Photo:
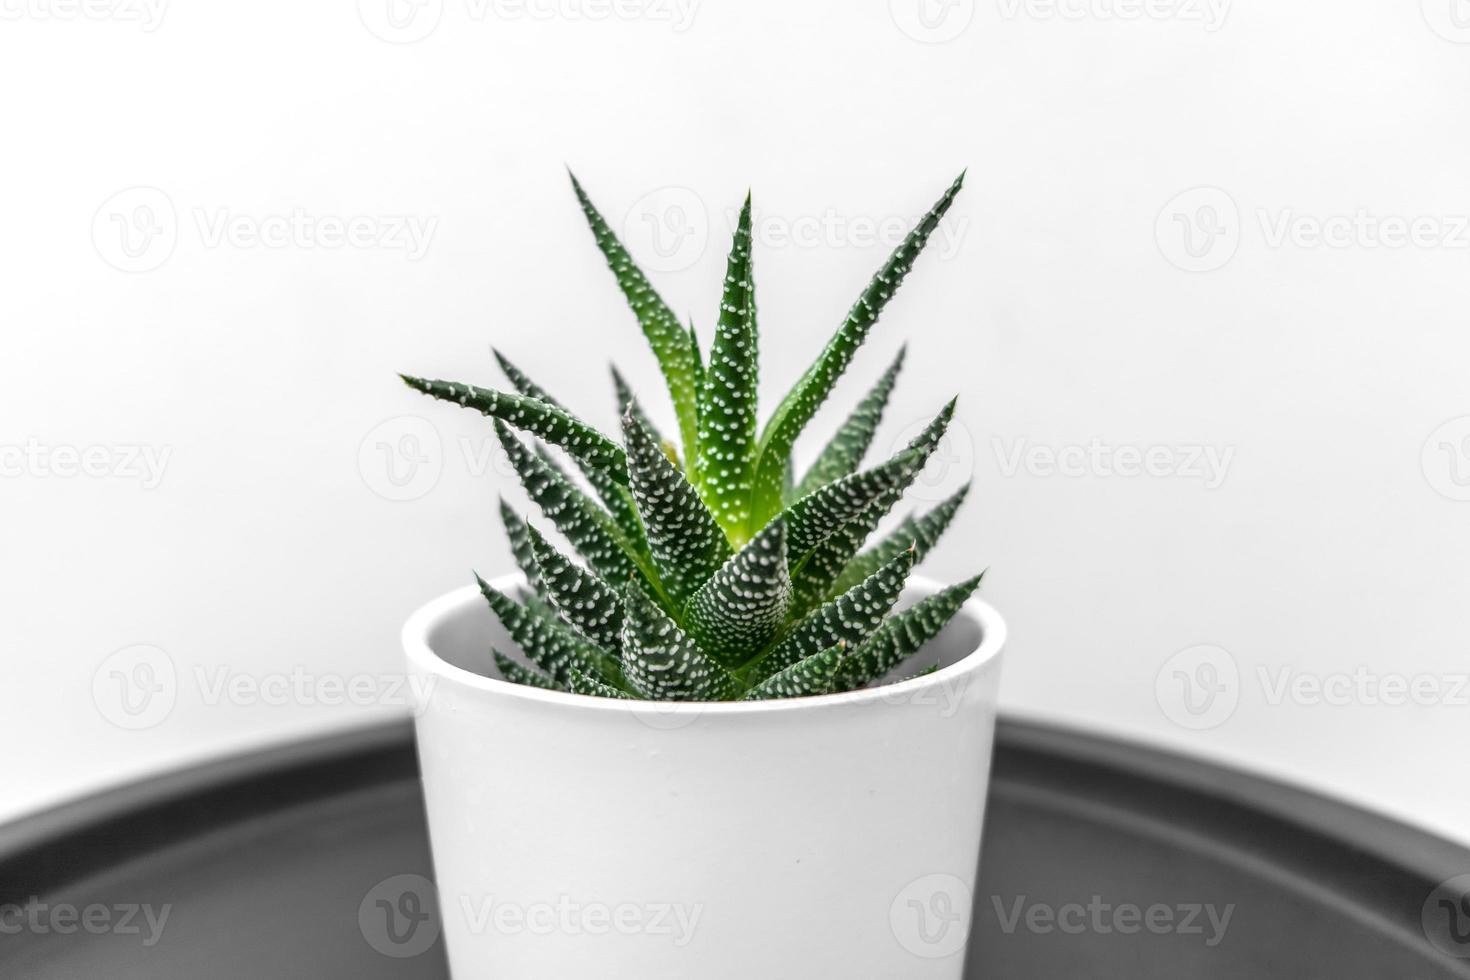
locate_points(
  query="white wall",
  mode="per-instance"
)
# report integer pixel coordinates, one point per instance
(1058, 309)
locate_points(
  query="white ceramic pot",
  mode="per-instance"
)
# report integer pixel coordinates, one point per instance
(581, 838)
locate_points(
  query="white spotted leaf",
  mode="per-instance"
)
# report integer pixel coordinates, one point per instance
(812, 389)
(662, 662)
(543, 420)
(665, 334)
(742, 606)
(727, 398)
(686, 544)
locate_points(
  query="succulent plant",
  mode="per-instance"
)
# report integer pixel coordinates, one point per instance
(710, 571)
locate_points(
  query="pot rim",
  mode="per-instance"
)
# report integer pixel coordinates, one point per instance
(422, 623)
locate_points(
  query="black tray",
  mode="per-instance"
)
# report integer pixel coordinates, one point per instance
(265, 861)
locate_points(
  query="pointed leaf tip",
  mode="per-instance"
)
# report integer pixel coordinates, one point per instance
(664, 332)
(923, 531)
(802, 401)
(904, 634)
(543, 419)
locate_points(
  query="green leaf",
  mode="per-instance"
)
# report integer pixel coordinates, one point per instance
(814, 517)
(686, 544)
(546, 643)
(521, 674)
(901, 636)
(520, 547)
(587, 526)
(919, 533)
(727, 399)
(537, 417)
(807, 395)
(611, 491)
(580, 683)
(740, 609)
(664, 663)
(805, 678)
(721, 572)
(788, 485)
(850, 618)
(589, 604)
(694, 353)
(812, 580)
(665, 335)
(844, 452)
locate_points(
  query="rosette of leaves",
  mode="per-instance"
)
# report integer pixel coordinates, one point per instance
(708, 569)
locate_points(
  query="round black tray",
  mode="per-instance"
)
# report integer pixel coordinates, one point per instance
(271, 865)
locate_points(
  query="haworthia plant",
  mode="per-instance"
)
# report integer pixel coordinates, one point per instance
(709, 570)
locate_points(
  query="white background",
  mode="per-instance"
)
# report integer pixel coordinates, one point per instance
(1060, 306)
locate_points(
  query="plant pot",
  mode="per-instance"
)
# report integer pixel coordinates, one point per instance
(580, 838)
